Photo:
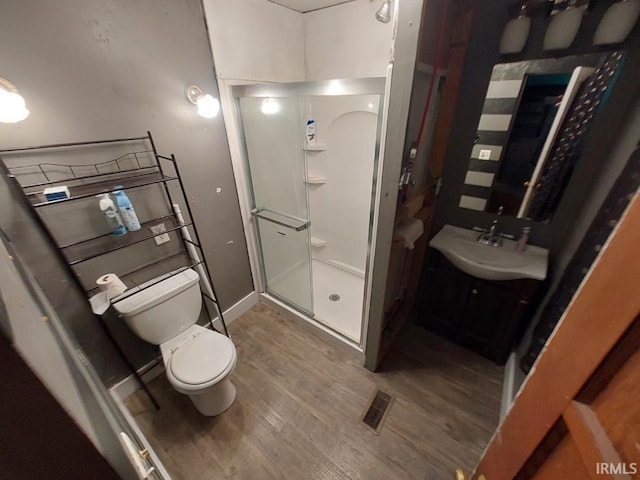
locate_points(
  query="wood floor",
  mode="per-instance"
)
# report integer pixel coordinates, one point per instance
(299, 402)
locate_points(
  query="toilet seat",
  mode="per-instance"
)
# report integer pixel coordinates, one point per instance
(201, 361)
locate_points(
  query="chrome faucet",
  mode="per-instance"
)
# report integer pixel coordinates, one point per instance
(491, 236)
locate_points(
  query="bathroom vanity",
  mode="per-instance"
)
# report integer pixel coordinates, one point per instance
(479, 296)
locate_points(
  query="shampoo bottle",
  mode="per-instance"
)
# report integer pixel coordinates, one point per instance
(111, 215)
(125, 207)
(311, 132)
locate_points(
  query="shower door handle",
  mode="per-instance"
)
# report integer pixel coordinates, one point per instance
(281, 219)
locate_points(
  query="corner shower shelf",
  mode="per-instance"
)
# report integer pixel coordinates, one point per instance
(87, 180)
(318, 242)
(316, 180)
(318, 147)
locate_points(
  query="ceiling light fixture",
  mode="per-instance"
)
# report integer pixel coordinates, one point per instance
(384, 12)
(516, 32)
(12, 105)
(617, 22)
(208, 107)
(564, 25)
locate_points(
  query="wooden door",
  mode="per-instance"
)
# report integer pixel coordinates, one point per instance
(462, 12)
(578, 414)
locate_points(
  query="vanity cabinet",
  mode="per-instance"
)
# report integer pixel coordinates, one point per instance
(484, 315)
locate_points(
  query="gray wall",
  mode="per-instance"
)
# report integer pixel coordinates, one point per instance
(481, 56)
(104, 69)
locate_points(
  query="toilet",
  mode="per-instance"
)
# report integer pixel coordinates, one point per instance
(198, 361)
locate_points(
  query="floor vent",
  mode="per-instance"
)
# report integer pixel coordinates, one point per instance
(379, 406)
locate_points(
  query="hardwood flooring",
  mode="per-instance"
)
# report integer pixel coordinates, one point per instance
(299, 402)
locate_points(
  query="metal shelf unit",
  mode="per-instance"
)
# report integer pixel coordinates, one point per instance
(87, 180)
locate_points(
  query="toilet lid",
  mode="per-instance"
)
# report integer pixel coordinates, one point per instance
(202, 358)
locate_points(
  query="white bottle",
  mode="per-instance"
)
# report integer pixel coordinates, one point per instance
(311, 132)
(111, 215)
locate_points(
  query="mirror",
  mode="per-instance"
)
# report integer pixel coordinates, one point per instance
(531, 132)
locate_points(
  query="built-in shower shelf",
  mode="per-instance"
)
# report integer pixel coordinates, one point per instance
(318, 242)
(318, 147)
(316, 179)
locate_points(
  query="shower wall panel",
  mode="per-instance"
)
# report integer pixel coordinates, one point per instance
(340, 208)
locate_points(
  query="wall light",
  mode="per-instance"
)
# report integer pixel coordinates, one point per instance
(12, 105)
(270, 106)
(516, 32)
(617, 22)
(563, 27)
(384, 12)
(208, 107)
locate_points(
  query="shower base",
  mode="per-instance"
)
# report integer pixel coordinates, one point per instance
(344, 315)
(337, 296)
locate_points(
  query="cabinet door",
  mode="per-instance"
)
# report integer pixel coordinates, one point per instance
(447, 292)
(489, 316)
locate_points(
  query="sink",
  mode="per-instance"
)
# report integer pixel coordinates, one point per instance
(460, 247)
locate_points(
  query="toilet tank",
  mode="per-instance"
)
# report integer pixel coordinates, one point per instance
(163, 310)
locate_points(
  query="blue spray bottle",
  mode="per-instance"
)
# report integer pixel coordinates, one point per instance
(127, 213)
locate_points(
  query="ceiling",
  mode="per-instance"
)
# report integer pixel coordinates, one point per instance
(304, 6)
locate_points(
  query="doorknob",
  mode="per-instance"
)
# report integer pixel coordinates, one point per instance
(460, 475)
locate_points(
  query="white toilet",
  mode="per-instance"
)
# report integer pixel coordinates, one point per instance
(198, 361)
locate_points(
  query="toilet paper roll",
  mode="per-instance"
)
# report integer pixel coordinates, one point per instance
(410, 231)
(110, 283)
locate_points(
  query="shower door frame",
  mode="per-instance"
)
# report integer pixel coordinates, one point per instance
(328, 88)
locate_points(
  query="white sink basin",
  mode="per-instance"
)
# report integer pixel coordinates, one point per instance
(460, 247)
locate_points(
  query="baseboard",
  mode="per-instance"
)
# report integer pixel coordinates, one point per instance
(129, 385)
(237, 309)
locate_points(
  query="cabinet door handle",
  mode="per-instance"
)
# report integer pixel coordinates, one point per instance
(474, 291)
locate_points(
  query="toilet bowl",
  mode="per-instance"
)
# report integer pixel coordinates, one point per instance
(198, 362)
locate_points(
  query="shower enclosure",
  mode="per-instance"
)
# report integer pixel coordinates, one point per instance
(312, 201)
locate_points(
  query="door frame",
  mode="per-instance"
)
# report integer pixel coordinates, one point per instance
(574, 351)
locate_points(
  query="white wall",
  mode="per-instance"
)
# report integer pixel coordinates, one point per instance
(255, 40)
(346, 41)
(258, 40)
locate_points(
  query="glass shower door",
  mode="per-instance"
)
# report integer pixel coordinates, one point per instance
(273, 136)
